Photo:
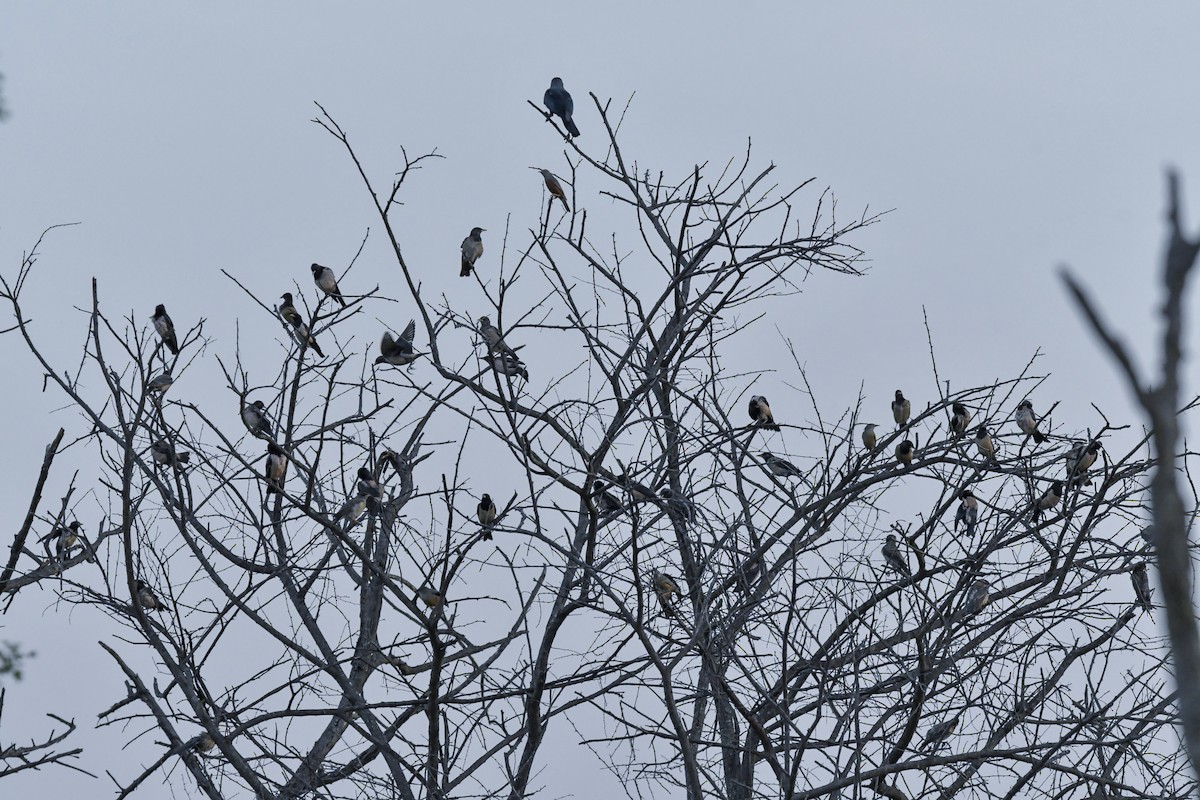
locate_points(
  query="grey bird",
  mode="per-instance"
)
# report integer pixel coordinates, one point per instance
(398, 352)
(1080, 459)
(905, 452)
(163, 453)
(959, 420)
(1027, 422)
(492, 337)
(936, 736)
(638, 492)
(485, 512)
(429, 597)
(326, 281)
(1141, 586)
(202, 743)
(369, 488)
(254, 417)
(760, 413)
(390, 458)
(868, 435)
(605, 500)
(554, 187)
(780, 467)
(351, 511)
(968, 512)
(146, 598)
(165, 328)
(508, 364)
(472, 249)
(976, 599)
(559, 101)
(678, 505)
(666, 589)
(901, 409)
(1048, 500)
(64, 538)
(292, 317)
(893, 557)
(984, 443)
(275, 469)
(159, 384)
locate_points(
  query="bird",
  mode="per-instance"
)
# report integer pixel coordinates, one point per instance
(472, 249)
(780, 467)
(605, 500)
(165, 328)
(398, 352)
(559, 101)
(485, 512)
(160, 383)
(254, 417)
(163, 453)
(1048, 500)
(275, 469)
(203, 743)
(894, 558)
(393, 459)
(554, 187)
(968, 512)
(65, 537)
(351, 511)
(960, 419)
(292, 317)
(429, 597)
(1141, 586)
(868, 436)
(326, 281)
(901, 409)
(976, 599)
(1027, 422)
(146, 598)
(938, 734)
(510, 365)
(1080, 459)
(678, 505)
(666, 589)
(638, 492)
(905, 452)
(492, 337)
(368, 487)
(984, 443)
(760, 413)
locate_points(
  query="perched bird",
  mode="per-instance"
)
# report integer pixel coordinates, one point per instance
(147, 599)
(64, 539)
(326, 281)
(984, 443)
(1080, 459)
(960, 419)
(968, 512)
(429, 597)
(936, 736)
(780, 467)
(160, 383)
(1048, 500)
(254, 417)
(351, 511)
(368, 487)
(976, 599)
(492, 337)
(868, 436)
(165, 328)
(398, 352)
(472, 249)
(638, 492)
(554, 187)
(905, 451)
(893, 557)
(1027, 422)
(292, 317)
(390, 458)
(678, 505)
(559, 101)
(666, 590)
(162, 452)
(203, 743)
(605, 500)
(901, 409)
(275, 469)
(510, 365)
(1141, 586)
(485, 512)
(760, 413)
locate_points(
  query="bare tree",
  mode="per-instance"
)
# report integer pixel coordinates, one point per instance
(311, 607)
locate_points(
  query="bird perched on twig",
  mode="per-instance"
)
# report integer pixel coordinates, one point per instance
(936, 736)
(678, 505)
(959, 420)
(276, 468)
(254, 417)
(292, 317)
(893, 557)
(485, 512)
(666, 589)
(351, 511)
(605, 501)
(146, 598)
(868, 435)
(760, 413)
(901, 409)
(984, 443)
(508, 364)
(638, 492)
(64, 537)
(558, 101)
(326, 281)
(780, 467)
(159, 384)
(968, 512)
(977, 597)
(472, 249)
(1048, 500)
(1027, 422)
(905, 452)
(398, 352)
(493, 338)
(163, 453)
(1141, 586)
(430, 597)
(553, 186)
(165, 328)
(1080, 459)
(369, 488)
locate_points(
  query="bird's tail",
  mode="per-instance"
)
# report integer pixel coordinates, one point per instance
(465, 272)
(570, 125)
(485, 533)
(1038, 436)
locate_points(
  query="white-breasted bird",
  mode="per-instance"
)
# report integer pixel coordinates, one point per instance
(485, 512)
(493, 338)
(64, 538)
(326, 280)
(901, 409)
(289, 314)
(163, 453)
(959, 419)
(780, 467)
(398, 352)
(984, 443)
(1048, 500)
(159, 384)
(905, 452)
(868, 436)
(666, 589)
(893, 557)
(146, 598)
(165, 328)
(977, 597)
(472, 249)
(254, 417)
(276, 469)
(1080, 459)
(508, 364)
(968, 512)
(760, 413)
(1027, 422)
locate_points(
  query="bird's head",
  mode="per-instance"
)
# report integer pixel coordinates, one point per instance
(316, 268)
(556, 83)
(159, 310)
(287, 297)
(899, 396)
(476, 231)
(1025, 404)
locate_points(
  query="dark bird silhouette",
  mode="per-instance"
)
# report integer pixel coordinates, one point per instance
(1027, 422)
(893, 557)
(510, 365)
(559, 101)
(326, 281)
(678, 505)
(638, 492)
(977, 597)
(163, 453)
(984, 443)
(968, 512)
(276, 468)
(254, 417)
(398, 352)
(936, 736)
(760, 413)
(165, 328)
(901, 409)
(959, 420)
(1080, 459)
(64, 538)
(1048, 500)
(292, 317)
(905, 452)
(605, 501)
(1141, 586)
(368, 487)
(485, 512)
(472, 249)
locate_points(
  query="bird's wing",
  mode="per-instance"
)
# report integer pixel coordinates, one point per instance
(387, 343)
(410, 333)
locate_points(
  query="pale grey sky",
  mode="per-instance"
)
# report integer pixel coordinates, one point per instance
(1007, 141)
